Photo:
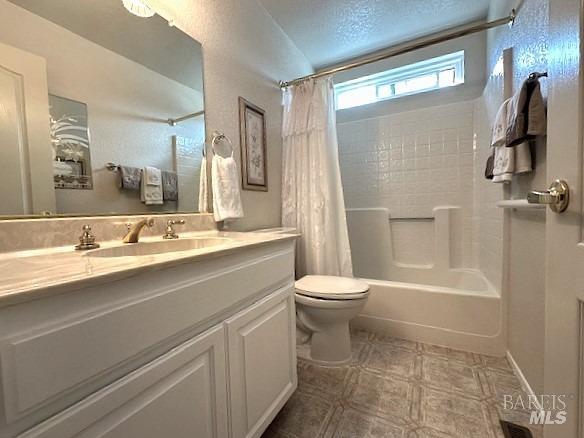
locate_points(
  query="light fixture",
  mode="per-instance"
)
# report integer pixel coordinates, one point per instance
(139, 8)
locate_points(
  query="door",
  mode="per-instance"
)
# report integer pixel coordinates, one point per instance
(182, 394)
(262, 362)
(26, 179)
(564, 231)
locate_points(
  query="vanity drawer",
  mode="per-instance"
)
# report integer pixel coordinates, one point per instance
(181, 395)
(71, 345)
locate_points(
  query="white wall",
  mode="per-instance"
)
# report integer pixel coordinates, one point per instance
(524, 291)
(245, 54)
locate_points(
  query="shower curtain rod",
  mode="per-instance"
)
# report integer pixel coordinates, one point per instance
(420, 43)
(174, 122)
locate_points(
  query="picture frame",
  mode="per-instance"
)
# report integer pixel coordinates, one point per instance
(254, 156)
(70, 141)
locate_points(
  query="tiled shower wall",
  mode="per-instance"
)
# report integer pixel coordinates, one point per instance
(488, 220)
(411, 162)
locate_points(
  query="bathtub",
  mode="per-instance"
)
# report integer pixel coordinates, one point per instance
(433, 302)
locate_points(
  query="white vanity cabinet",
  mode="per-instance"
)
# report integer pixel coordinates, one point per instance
(262, 362)
(203, 349)
(182, 394)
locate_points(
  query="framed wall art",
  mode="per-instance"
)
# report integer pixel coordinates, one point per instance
(252, 121)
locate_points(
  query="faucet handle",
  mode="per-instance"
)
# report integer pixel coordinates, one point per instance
(170, 233)
(87, 239)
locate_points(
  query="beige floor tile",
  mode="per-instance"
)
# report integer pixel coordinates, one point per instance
(386, 396)
(496, 363)
(451, 354)
(390, 359)
(451, 376)
(272, 433)
(350, 423)
(304, 416)
(361, 335)
(427, 433)
(502, 383)
(398, 388)
(396, 342)
(324, 380)
(455, 415)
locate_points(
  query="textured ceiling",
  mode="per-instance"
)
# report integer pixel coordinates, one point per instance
(330, 31)
(147, 41)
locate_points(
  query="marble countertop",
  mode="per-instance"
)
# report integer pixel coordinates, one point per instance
(28, 275)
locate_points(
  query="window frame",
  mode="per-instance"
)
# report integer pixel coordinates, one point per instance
(435, 65)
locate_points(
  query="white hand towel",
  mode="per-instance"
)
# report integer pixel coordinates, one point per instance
(151, 186)
(500, 126)
(504, 157)
(226, 190)
(523, 163)
(203, 192)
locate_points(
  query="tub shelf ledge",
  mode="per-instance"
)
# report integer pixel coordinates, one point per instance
(519, 204)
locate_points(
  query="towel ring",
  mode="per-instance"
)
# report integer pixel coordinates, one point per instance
(217, 136)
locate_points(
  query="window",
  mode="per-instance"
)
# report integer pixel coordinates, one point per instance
(430, 74)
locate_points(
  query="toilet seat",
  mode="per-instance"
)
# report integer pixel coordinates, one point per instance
(328, 287)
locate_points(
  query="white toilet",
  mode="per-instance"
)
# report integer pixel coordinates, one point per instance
(324, 306)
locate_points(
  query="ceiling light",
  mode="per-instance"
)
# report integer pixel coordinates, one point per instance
(139, 8)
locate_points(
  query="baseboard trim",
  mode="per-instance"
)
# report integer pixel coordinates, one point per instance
(524, 383)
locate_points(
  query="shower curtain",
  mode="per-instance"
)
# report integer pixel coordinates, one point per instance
(312, 194)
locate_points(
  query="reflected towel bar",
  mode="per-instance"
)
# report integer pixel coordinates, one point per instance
(174, 122)
(418, 218)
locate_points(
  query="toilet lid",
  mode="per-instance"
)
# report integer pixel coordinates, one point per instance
(334, 288)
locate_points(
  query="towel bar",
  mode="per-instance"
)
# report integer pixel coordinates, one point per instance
(519, 204)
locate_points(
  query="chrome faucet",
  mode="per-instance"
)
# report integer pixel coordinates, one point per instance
(170, 233)
(134, 230)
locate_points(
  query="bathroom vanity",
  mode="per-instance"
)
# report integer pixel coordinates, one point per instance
(190, 337)
(193, 341)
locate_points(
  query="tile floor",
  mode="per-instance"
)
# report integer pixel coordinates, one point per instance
(400, 389)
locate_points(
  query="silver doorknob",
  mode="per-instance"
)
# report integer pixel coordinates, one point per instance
(557, 197)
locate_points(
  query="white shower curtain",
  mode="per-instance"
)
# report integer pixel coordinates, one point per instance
(312, 194)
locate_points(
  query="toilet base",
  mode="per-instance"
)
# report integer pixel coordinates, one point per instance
(327, 322)
(331, 345)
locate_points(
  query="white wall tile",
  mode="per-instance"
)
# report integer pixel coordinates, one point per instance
(425, 159)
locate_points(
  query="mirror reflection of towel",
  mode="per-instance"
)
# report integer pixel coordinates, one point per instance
(151, 186)
(169, 185)
(129, 178)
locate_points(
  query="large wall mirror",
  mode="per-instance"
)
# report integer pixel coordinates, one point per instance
(101, 110)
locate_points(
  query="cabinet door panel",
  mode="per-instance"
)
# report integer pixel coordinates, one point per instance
(262, 362)
(181, 395)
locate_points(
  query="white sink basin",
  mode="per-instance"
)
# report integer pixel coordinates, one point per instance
(152, 248)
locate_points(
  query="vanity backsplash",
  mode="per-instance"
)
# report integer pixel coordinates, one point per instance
(29, 234)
